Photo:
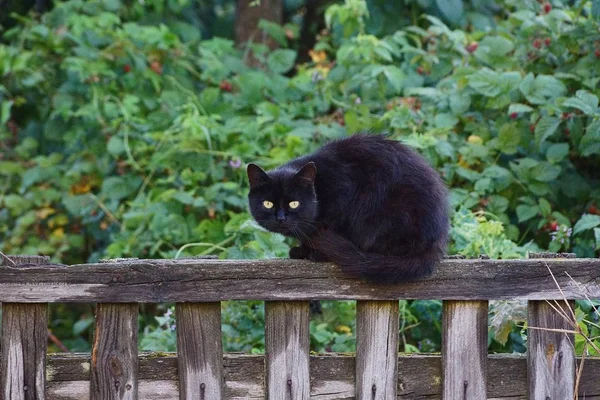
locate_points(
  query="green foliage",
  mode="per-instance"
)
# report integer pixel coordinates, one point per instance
(124, 137)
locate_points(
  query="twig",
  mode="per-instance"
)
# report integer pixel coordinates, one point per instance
(7, 259)
(57, 342)
(562, 293)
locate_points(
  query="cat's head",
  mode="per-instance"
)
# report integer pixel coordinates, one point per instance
(284, 200)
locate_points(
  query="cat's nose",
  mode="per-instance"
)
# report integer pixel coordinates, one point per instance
(280, 216)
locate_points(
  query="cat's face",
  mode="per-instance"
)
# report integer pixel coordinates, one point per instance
(283, 200)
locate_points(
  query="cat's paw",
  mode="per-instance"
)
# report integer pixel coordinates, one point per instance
(298, 253)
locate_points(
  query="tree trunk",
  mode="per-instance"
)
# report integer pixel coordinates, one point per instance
(248, 15)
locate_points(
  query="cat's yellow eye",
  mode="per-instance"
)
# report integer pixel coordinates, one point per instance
(294, 204)
(267, 204)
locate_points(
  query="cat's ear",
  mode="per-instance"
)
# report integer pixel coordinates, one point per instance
(256, 176)
(307, 173)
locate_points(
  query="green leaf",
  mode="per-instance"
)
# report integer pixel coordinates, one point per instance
(445, 120)
(545, 128)
(584, 101)
(597, 236)
(543, 89)
(545, 172)
(115, 146)
(596, 9)
(525, 212)
(452, 10)
(494, 50)
(459, 103)
(586, 222)
(557, 152)
(486, 82)
(395, 76)
(519, 108)
(590, 142)
(509, 138)
(118, 187)
(492, 84)
(281, 60)
(274, 30)
(82, 325)
(5, 111)
(545, 207)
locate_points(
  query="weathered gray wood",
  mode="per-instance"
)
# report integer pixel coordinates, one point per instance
(287, 349)
(376, 349)
(332, 376)
(464, 349)
(24, 340)
(551, 255)
(157, 281)
(200, 351)
(551, 356)
(114, 365)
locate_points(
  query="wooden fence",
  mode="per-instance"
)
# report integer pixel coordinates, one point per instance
(200, 370)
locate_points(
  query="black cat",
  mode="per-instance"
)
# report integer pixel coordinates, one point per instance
(367, 203)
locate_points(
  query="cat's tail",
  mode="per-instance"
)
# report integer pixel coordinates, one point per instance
(377, 267)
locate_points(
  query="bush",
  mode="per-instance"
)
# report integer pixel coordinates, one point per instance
(123, 139)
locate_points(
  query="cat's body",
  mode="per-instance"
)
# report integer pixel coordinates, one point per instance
(367, 203)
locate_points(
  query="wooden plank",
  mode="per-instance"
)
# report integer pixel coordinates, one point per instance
(200, 351)
(287, 348)
(551, 356)
(332, 376)
(464, 350)
(376, 349)
(189, 280)
(114, 365)
(24, 342)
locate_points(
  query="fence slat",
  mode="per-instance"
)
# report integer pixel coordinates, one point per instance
(287, 346)
(464, 350)
(114, 366)
(376, 349)
(550, 355)
(24, 343)
(200, 351)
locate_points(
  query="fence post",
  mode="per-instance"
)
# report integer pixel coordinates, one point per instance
(464, 350)
(24, 342)
(550, 354)
(287, 346)
(377, 329)
(199, 351)
(114, 366)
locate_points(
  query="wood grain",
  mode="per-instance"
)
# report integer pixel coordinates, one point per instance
(158, 281)
(200, 351)
(376, 349)
(551, 356)
(287, 348)
(114, 365)
(464, 350)
(332, 377)
(24, 340)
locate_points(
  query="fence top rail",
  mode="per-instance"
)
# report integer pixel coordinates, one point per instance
(199, 280)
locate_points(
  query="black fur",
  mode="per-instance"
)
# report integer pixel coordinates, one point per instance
(367, 203)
